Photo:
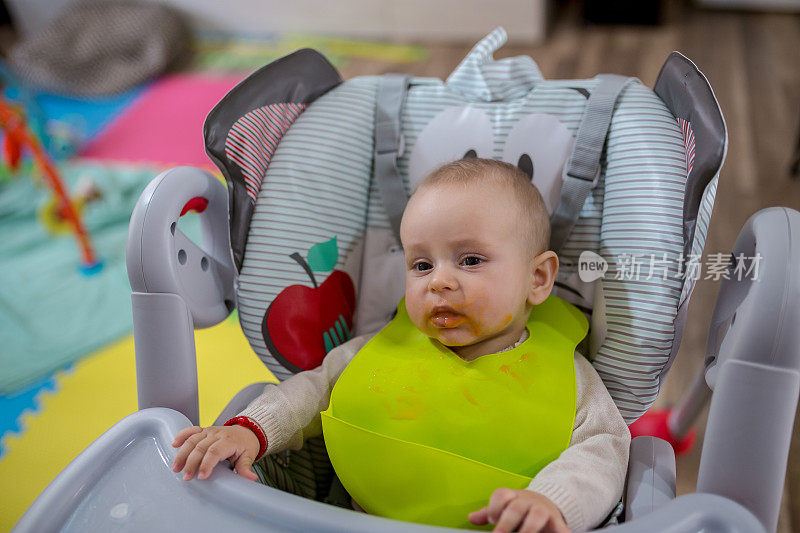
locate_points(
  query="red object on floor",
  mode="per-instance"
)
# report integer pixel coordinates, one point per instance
(11, 152)
(164, 124)
(654, 424)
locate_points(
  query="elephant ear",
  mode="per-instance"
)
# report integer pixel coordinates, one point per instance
(243, 130)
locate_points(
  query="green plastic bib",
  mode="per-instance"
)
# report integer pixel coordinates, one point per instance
(416, 433)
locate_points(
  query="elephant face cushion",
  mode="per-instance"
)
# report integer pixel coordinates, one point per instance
(317, 257)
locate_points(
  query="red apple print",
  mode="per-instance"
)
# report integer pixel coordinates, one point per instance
(303, 323)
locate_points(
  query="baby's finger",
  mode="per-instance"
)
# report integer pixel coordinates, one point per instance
(479, 517)
(196, 457)
(535, 521)
(498, 502)
(216, 453)
(242, 466)
(184, 434)
(184, 451)
(512, 516)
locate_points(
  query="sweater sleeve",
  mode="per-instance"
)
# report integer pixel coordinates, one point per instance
(587, 479)
(289, 412)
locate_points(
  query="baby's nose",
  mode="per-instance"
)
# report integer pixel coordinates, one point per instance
(443, 280)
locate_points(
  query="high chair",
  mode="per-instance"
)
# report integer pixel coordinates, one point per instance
(302, 240)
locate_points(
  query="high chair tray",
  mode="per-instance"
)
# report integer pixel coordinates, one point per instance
(123, 482)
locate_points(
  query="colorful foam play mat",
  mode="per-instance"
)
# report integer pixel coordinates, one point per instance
(165, 124)
(51, 311)
(224, 53)
(65, 124)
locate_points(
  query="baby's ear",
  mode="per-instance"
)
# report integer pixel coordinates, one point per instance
(545, 268)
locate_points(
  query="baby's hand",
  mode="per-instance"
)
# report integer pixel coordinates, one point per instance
(202, 448)
(522, 510)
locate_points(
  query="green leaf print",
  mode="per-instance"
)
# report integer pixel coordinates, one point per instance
(322, 257)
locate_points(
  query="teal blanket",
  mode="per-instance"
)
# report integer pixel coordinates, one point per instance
(51, 313)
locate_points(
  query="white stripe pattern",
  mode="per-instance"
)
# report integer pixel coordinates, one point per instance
(315, 188)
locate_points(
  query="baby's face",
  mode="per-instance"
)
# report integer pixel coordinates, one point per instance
(468, 270)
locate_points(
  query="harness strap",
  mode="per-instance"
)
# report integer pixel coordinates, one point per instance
(582, 171)
(389, 145)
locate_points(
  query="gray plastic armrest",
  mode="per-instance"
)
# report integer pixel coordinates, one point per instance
(177, 285)
(694, 513)
(753, 366)
(161, 259)
(651, 477)
(239, 402)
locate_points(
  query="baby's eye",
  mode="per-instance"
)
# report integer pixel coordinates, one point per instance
(422, 266)
(471, 261)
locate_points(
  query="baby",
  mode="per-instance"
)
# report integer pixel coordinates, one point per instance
(475, 235)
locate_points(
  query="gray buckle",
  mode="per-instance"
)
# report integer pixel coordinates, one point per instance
(388, 139)
(569, 169)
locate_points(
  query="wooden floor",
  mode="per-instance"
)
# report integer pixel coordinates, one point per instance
(753, 63)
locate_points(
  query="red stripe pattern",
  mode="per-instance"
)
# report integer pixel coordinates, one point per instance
(254, 138)
(688, 142)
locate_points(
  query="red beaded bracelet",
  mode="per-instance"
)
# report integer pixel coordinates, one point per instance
(251, 424)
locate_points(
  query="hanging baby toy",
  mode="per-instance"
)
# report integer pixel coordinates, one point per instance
(62, 213)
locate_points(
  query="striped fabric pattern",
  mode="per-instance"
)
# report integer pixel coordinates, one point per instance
(316, 188)
(479, 77)
(704, 212)
(253, 139)
(688, 141)
(641, 236)
(306, 472)
(701, 232)
(318, 185)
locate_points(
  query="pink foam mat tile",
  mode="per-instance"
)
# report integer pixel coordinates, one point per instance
(165, 124)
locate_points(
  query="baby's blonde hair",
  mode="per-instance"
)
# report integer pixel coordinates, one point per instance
(530, 204)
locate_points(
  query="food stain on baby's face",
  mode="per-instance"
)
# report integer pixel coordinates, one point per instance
(452, 316)
(468, 270)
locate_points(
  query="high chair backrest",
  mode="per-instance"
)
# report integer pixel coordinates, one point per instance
(313, 215)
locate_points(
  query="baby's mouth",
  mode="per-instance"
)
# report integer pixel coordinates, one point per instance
(446, 317)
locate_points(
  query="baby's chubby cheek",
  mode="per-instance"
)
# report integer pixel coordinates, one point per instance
(487, 321)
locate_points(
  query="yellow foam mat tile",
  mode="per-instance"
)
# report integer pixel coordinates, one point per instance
(98, 392)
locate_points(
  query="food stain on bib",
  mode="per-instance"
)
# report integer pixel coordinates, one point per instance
(406, 408)
(507, 370)
(468, 396)
(456, 370)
